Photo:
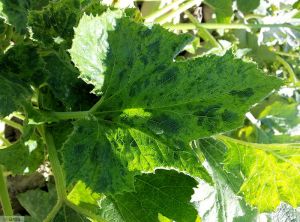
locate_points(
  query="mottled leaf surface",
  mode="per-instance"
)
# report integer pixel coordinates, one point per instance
(107, 157)
(150, 97)
(62, 80)
(12, 96)
(270, 171)
(27, 64)
(55, 22)
(144, 87)
(5, 34)
(186, 100)
(166, 191)
(16, 12)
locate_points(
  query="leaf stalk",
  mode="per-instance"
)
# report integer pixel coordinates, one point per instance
(4, 196)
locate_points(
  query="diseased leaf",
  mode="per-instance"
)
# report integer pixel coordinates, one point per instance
(184, 100)
(12, 96)
(270, 172)
(149, 97)
(5, 34)
(26, 65)
(144, 88)
(16, 12)
(98, 153)
(55, 22)
(62, 79)
(23, 63)
(166, 191)
(89, 156)
(20, 67)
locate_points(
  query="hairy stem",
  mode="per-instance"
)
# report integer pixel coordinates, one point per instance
(4, 196)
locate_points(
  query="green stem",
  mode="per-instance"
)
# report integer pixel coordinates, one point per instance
(297, 56)
(202, 32)
(4, 196)
(261, 146)
(54, 211)
(55, 165)
(60, 183)
(292, 75)
(18, 115)
(96, 106)
(160, 12)
(252, 16)
(57, 173)
(4, 140)
(190, 26)
(71, 115)
(177, 12)
(13, 124)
